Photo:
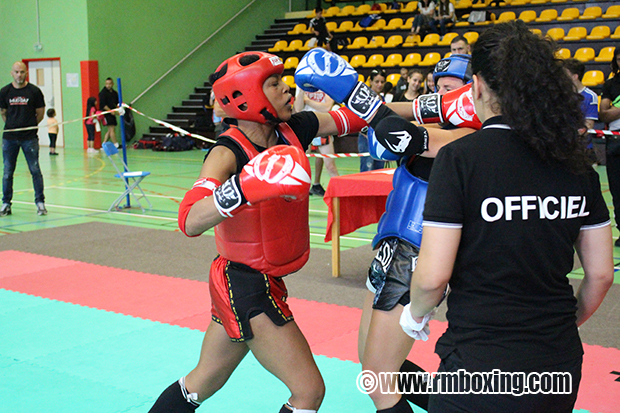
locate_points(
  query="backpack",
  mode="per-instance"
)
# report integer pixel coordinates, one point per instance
(147, 143)
(174, 142)
(369, 20)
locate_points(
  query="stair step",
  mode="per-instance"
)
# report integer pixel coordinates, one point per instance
(188, 109)
(181, 115)
(199, 96)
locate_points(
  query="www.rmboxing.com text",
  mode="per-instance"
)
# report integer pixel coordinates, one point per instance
(464, 382)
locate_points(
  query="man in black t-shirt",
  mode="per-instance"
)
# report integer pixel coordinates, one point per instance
(108, 100)
(21, 105)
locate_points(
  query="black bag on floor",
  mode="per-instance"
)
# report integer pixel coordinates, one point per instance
(173, 142)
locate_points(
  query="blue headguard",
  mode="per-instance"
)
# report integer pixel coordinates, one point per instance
(457, 65)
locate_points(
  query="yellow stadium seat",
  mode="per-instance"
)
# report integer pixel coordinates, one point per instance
(331, 26)
(584, 54)
(576, 33)
(358, 43)
(526, 15)
(393, 41)
(295, 44)
(430, 59)
(408, 23)
(393, 78)
(568, 14)
(376, 41)
(331, 11)
(563, 53)
(463, 4)
(482, 5)
(299, 29)
(539, 1)
(605, 55)
(447, 55)
(345, 26)
(358, 60)
(593, 78)
(556, 33)
(591, 13)
(393, 60)
(613, 12)
(361, 10)
(279, 46)
(520, 2)
(536, 31)
(378, 25)
(290, 81)
(412, 59)
(471, 37)
(345, 57)
(447, 39)
(410, 7)
(599, 33)
(360, 77)
(307, 45)
(374, 60)
(357, 28)
(616, 34)
(430, 39)
(547, 15)
(506, 16)
(394, 24)
(559, 1)
(291, 62)
(346, 11)
(411, 40)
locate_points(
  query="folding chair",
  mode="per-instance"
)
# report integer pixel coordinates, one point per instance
(130, 179)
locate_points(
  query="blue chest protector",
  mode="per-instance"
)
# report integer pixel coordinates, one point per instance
(403, 211)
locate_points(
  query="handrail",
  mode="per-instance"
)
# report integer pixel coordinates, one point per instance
(192, 52)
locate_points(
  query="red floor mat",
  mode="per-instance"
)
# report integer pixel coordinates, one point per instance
(330, 329)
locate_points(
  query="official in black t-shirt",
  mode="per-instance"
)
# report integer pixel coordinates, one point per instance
(505, 209)
(21, 106)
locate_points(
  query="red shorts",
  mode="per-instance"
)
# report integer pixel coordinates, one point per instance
(239, 293)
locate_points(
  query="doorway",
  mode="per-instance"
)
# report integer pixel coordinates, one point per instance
(45, 74)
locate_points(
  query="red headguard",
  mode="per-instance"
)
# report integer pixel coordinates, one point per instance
(238, 86)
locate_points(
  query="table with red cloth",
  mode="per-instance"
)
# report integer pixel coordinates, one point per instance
(354, 201)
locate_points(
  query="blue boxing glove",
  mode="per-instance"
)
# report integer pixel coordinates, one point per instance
(378, 151)
(326, 71)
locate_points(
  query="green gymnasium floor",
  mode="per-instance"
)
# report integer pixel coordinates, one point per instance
(80, 187)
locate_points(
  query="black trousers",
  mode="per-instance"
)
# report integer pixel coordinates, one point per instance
(499, 403)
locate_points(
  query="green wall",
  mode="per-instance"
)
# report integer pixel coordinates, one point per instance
(136, 40)
(139, 41)
(64, 34)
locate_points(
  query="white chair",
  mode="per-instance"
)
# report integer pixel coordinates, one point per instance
(130, 179)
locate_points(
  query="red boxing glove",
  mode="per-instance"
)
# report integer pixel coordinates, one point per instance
(280, 171)
(456, 107)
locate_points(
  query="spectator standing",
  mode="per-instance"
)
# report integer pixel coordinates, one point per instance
(21, 105)
(318, 26)
(108, 100)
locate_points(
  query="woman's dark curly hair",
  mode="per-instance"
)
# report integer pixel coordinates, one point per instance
(536, 97)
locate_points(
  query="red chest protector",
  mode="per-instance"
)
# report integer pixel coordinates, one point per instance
(273, 236)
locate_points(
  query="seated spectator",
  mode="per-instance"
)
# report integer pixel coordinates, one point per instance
(445, 15)
(415, 78)
(460, 45)
(426, 16)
